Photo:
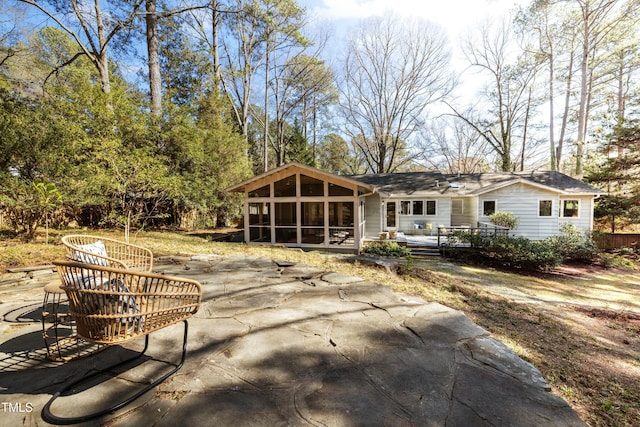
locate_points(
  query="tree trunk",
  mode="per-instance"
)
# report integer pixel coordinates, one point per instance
(153, 60)
(552, 144)
(103, 58)
(565, 114)
(215, 18)
(266, 110)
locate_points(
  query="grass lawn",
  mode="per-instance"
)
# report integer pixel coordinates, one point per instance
(579, 326)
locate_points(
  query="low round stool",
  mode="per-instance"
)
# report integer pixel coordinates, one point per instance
(58, 328)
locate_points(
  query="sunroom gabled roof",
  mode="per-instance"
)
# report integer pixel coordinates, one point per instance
(291, 168)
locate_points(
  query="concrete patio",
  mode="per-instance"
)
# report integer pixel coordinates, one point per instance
(276, 343)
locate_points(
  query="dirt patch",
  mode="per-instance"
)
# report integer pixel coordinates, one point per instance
(620, 318)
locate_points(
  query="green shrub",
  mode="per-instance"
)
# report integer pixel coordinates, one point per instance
(617, 261)
(574, 246)
(386, 248)
(504, 219)
(506, 251)
(520, 252)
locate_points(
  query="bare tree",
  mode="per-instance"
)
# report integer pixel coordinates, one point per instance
(97, 28)
(506, 91)
(304, 83)
(9, 31)
(599, 18)
(393, 70)
(283, 20)
(453, 146)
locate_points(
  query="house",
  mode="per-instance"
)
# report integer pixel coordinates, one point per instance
(301, 206)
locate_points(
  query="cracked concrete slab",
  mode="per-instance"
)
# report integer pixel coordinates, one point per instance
(278, 343)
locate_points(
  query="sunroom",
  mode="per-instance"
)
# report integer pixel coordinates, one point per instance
(299, 206)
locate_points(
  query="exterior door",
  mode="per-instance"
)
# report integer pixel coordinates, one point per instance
(390, 215)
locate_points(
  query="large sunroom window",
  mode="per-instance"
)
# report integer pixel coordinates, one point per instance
(302, 209)
(259, 222)
(311, 186)
(338, 190)
(260, 192)
(285, 187)
(341, 222)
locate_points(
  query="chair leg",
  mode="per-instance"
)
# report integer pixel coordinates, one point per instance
(53, 419)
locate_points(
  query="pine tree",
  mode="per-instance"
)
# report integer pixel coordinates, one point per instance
(619, 175)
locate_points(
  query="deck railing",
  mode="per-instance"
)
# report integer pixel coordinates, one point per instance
(483, 229)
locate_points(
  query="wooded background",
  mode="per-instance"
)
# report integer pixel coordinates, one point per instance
(142, 112)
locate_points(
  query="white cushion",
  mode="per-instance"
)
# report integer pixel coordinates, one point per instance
(96, 248)
(124, 304)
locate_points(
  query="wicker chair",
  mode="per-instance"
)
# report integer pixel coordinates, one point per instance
(107, 252)
(112, 306)
(60, 338)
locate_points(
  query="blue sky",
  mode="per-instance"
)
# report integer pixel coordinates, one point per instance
(456, 16)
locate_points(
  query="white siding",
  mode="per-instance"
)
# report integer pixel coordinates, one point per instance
(372, 213)
(584, 221)
(523, 201)
(442, 216)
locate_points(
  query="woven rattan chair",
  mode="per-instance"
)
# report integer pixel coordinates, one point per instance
(113, 306)
(92, 250)
(107, 252)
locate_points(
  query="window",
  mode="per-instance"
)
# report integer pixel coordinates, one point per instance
(260, 192)
(285, 214)
(259, 222)
(570, 208)
(285, 187)
(418, 207)
(545, 208)
(341, 217)
(337, 190)
(456, 207)
(488, 207)
(405, 207)
(311, 186)
(431, 207)
(312, 213)
(341, 214)
(259, 214)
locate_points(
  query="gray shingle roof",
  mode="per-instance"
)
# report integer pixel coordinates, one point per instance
(438, 184)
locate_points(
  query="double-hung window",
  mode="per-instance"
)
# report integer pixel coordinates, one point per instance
(545, 208)
(418, 207)
(570, 208)
(488, 207)
(430, 207)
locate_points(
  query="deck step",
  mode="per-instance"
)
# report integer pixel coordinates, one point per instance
(418, 250)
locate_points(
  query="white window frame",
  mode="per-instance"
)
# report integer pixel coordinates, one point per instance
(435, 202)
(495, 206)
(564, 201)
(400, 205)
(552, 204)
(423, 207)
